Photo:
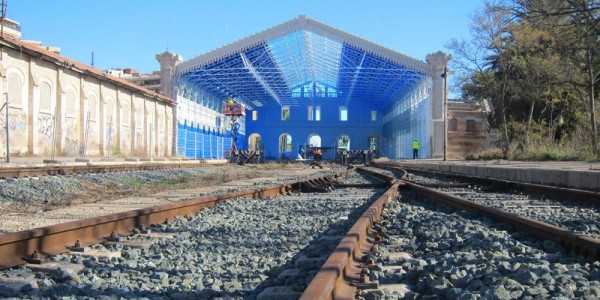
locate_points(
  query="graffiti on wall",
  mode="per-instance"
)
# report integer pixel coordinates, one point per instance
(71, 138)
(45, 124)
(17, 126)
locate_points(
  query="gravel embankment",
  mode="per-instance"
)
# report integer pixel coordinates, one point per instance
(49, 192)
(233, 250)
(461, 255)
(578, 217)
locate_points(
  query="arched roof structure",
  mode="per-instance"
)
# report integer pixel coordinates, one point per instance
(299, 59)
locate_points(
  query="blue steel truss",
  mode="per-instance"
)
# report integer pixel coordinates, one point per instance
(281, 65)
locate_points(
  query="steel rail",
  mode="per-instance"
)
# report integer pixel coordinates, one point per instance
(582, 196)
(16, 172)
(55, 239)
(339, 275)
(576, 243)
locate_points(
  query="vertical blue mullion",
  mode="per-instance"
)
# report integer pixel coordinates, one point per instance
(215, 144)
(181, 129)
(196, 132)
(226, 142)
(189, 143)
(202, 145)
(206, 143)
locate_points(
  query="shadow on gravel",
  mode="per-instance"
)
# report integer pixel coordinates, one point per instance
(310, 259)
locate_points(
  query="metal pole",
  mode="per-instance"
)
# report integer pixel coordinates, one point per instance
(150, 142)
(109, 136)
(445, 111)
(87, 133)
(133, 140)
(54, 133)
(7, 131)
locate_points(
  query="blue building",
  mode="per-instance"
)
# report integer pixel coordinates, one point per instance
(306, 83)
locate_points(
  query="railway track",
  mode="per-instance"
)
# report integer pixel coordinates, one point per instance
(54, 170)
(376, 234)
(432, 243)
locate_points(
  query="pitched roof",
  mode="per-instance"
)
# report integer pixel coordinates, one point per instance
(302, 56)
(80, 67)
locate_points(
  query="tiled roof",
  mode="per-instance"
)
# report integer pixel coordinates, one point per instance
(72, 64)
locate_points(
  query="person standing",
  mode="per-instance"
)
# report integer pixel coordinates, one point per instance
(301, 152)
(415, 149)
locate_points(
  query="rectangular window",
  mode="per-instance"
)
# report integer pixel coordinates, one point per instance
(343, 113)
(452, 125)
(285, 113)
(373, 115)
(310, 113)
(254, 115)
(317, 113)
(470, 125)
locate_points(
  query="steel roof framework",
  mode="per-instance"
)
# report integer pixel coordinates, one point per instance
(271, 66)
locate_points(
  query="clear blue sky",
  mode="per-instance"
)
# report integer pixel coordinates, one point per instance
(129, 33)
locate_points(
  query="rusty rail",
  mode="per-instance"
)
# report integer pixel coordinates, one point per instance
(576, 243)
(337, 277)
(583, 196)
(16, 172)
(55, 239)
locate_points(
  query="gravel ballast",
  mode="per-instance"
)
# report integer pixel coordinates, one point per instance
(461, 255)
(236, 250)
(578, 217)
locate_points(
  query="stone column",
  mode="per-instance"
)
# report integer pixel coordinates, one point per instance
(438, 62)
(168, 61)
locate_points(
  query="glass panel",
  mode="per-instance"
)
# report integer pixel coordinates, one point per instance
(470, 125)
(318, 113)
(285, 113)
(344, 142)
(343, 114)
(452, 125)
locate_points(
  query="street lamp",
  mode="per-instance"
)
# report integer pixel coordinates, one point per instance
(445, 111)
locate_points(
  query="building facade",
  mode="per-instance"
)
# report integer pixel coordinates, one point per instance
(56, 105)
(304, 83)
(467, 127)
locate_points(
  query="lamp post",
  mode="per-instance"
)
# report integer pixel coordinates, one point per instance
(445, 112)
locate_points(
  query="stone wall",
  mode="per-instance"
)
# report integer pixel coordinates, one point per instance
(463, 141)
(60, 102)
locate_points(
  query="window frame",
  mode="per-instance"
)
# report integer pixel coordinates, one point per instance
(283, 115)
(343, 114)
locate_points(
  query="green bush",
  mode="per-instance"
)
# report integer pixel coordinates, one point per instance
(489, 154)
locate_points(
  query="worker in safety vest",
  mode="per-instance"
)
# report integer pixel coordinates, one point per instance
(415, 149)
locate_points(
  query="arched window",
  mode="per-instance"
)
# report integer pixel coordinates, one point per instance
(92, 102)
(71, 102)
(125, 116)
(15, 83)
(343, 142)
(314, 140)
(109, 112)
(254, 142)
(373, 143)
(46, 97)
(285, 146)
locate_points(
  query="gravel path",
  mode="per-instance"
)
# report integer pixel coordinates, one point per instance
(577, 217)
(234, 250)
(460, 255)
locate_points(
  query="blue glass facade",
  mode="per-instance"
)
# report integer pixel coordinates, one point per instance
(319, 76)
